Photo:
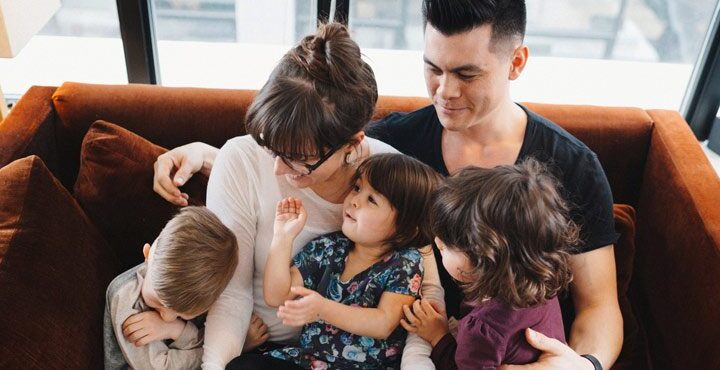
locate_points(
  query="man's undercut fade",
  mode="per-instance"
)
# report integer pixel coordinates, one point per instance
(508, 18)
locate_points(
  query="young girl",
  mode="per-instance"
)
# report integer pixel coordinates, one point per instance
(505, 235)
(352, 283)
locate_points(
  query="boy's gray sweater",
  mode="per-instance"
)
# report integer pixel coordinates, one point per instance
(123, 299)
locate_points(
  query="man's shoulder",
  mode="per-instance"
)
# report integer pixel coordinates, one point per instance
(550, 132)
(402, 121)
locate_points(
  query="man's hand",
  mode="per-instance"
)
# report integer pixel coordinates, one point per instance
(304, 310)
(556, 355)
(257, 334)
(145, 327)
(426, 319)
(290, 217)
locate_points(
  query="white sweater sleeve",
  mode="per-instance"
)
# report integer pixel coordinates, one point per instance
(416, 355)
(231, 195)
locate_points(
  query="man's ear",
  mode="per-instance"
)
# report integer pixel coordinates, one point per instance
(357, 138)
(146, 250)
(518, 61)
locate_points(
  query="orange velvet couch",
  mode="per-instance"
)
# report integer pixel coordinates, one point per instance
(651, 158)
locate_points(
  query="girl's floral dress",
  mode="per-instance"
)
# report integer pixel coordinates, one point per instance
(323, 346)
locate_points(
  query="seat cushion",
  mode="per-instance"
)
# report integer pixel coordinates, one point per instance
(54, 267)
(634, 355)
(114, 187)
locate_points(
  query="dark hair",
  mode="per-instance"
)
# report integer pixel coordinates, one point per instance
(514, 227)
(408, 185)
(508, 18)
(320, 94)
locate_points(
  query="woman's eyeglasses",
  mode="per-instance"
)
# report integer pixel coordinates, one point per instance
(302, 167)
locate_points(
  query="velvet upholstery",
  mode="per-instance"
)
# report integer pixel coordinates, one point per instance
(114, 187)
(53, 274)
(651, 158)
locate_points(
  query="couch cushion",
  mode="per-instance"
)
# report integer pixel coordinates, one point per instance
(634, 351)
(114, 187)
(53, 272)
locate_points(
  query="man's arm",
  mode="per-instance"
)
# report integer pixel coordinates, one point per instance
(598, 325)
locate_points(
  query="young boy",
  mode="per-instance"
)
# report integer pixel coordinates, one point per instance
(151, 312)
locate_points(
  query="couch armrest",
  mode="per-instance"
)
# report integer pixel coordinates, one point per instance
(30, 129)
(678, 250)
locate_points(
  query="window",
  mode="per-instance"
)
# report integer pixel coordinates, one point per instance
(605, 52)
(80, 43)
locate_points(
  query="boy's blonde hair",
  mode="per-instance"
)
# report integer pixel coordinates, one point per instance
(193, 260)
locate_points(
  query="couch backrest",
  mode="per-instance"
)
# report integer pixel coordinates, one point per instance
(174, 116)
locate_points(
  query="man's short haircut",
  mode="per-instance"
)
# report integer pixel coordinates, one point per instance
(193, 260)
(508, 18)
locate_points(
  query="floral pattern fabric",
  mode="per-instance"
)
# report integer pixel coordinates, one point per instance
(324, 346)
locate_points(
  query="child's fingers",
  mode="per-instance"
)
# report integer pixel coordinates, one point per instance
(132, 328)
(291, 205)
(407, 326)
(144, 340)
(428, 308)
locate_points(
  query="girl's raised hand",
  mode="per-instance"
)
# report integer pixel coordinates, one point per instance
(290, 217)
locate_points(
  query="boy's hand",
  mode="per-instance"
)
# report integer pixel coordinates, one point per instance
(304, 310)
(290, 218)
(426, 319)
(257, 334)
(145, 327)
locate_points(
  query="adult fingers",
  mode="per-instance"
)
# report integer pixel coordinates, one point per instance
(162, 184)
(418, 310)
(407, 326)
(409, 316)
(547, 345)
(184, 173)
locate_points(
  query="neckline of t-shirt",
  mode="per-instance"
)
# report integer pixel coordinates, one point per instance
(531, 120)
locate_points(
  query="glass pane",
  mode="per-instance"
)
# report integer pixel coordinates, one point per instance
(607, 52)
(80, 43)
(227, 43)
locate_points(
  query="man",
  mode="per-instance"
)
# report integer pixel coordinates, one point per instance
(473, 50)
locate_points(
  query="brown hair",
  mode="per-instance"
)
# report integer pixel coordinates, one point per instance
(514, 227)
(193, 260)
(408, 185)
(320, 94)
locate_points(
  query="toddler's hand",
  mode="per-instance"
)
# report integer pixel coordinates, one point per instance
(290, 217)
(426, 319)
(257, 334)
(301, 311)
(145, 327)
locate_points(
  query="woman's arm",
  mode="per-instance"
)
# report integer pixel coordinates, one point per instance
(232, 197)
(174, 168)
(416, 355)
(376, 323)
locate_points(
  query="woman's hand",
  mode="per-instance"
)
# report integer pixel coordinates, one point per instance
(174, 168)
(305, 310)
(290, 217)
(145, 327)
(556, 355)
(425, 319)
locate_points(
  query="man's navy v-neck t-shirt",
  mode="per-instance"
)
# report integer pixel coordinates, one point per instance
(585, 187)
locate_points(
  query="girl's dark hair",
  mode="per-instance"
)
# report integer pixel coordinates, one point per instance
(408, 184)
(320, 94)
(513, 225)
(508, 18)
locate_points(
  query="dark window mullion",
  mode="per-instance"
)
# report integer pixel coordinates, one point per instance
(138, 36)
(342, 11)
(702, 99)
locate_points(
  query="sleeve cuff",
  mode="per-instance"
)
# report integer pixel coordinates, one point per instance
(189, 337)
(444, 345)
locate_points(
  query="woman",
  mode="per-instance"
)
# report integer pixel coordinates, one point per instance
(305, 141)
